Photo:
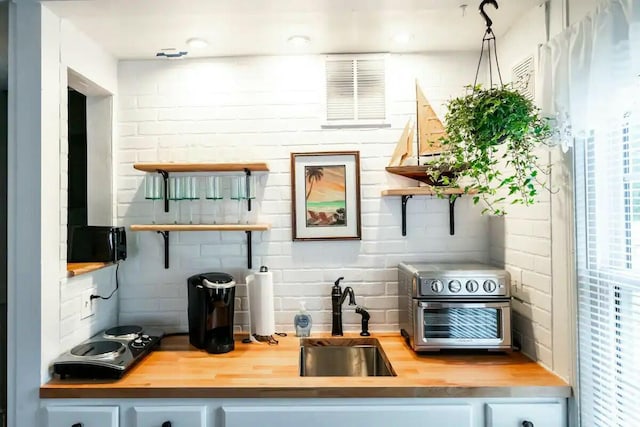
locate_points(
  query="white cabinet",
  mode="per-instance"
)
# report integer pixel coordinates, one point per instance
(525, 415)
(82, 416)
(348, 416)
(170, 416)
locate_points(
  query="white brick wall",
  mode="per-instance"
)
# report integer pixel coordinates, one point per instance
(521, 241)
(81, 54)
(262, 109)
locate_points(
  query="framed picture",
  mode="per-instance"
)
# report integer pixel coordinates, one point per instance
(325, 190)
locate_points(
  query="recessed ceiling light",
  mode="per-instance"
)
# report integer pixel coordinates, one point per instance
(402, 38)
(299, 40)
(197, 43)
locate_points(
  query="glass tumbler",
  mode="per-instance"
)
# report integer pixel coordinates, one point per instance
(243, 188)
(214, 192)
(191, 194)
(176, 193)
(153, 186)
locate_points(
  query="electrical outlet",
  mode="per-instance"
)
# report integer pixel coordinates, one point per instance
(87, 309)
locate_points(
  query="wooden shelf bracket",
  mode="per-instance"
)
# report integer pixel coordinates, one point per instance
(165, 236)
(452, 203)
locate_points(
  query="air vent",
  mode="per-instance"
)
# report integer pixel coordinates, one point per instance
(356, 90)
(524, 79)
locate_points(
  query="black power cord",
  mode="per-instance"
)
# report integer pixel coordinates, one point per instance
(92, 297)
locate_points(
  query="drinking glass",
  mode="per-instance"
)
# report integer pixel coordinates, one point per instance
(153, 191)
(191, 194)
(176, 193)
(213, 192)
(243, 188)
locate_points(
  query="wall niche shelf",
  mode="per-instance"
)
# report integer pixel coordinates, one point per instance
(164, 229)
(165, 169)
(407, 193)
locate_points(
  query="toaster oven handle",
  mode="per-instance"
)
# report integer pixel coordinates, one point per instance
(429, 304)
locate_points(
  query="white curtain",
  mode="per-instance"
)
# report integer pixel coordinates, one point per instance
(592, 90)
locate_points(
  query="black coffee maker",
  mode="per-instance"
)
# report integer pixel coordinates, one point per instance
(211, 307)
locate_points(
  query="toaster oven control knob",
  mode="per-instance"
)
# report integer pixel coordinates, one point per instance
(489, 286)
(437, 286)
(472, 286)
(455, 286)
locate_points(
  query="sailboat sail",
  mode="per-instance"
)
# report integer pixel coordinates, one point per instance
(430, 128)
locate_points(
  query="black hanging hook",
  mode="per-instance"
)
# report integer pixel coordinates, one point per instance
(484, 3)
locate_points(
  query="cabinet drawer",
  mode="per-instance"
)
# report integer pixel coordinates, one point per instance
(348, 416)
(82, 416)
(515, 414)
(177, 416)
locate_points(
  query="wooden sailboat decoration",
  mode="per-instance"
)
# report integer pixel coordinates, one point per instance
(430, 130)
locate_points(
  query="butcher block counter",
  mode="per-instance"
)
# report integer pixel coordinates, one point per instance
(178, 370)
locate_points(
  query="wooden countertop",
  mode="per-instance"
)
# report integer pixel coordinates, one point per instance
(178, 370)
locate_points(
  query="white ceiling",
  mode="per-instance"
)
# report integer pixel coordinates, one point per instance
(139, 28)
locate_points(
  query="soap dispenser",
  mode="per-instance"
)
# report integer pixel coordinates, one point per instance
(302, 322)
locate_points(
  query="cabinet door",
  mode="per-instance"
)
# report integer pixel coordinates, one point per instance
(348, 416)
(170, 416)
(82, 416)
(517, 415)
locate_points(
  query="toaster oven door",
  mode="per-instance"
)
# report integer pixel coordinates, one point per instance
(457, 324)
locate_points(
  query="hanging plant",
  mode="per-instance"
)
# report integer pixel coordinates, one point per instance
(492, 135)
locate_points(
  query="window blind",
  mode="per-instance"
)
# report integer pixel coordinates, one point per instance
(356, 89)
(607, 192)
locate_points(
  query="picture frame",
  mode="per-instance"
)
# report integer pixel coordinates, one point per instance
(325, 194)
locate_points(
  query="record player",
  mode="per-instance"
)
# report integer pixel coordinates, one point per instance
(108, 354)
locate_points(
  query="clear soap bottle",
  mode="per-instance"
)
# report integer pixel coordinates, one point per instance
(302, 322)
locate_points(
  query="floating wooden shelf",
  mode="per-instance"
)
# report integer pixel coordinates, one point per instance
(423, 191)
(200, 227)
(78, 268)
(201, 167)
(164, 229)
(408, 192)
(165, 168)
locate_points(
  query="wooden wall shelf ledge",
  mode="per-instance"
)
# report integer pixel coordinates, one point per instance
(407, 193)
(164, 229)
(201, 167)
(165, 168)
(78, 268)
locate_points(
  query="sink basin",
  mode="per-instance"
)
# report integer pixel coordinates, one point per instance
(343, 357)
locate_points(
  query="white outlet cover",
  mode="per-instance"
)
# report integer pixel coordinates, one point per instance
(86, 309)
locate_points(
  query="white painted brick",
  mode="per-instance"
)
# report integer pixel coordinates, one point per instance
(538, 281)
(219, 110)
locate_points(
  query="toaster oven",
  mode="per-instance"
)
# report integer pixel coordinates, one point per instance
(454, 306)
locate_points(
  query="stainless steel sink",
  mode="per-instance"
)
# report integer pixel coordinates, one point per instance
(343, 357)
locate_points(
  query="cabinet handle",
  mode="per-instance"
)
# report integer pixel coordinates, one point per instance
(77, 425)
(524, 424)
(168, 424)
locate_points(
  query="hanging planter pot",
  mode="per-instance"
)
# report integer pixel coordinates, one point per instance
(492, 137)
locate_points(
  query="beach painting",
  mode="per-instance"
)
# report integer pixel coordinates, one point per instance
(325, 191)
(325, 195)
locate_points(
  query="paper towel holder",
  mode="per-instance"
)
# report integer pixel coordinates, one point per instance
(253, 337)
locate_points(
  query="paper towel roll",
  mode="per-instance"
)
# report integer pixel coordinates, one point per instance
(261, 312)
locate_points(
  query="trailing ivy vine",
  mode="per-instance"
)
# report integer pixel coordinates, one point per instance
(492, 135)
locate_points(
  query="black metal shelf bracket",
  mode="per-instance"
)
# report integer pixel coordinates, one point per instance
(452, 221)
(247, 184)
(452, 203)
(405, 198)
(165, 236)
(248, 249)
(165, 179)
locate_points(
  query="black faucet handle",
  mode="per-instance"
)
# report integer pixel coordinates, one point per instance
(337, 282)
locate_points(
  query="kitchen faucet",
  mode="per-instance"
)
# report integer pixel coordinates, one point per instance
(337, 298)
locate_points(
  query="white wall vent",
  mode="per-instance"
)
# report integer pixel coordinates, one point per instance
(356, 89)
(524, 78)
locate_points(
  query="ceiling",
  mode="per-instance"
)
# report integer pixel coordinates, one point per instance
(138, 29)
